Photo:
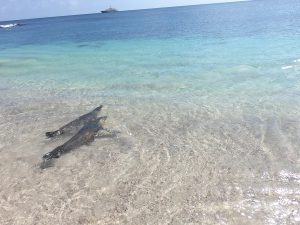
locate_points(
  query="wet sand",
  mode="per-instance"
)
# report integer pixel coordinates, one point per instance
(172, 163)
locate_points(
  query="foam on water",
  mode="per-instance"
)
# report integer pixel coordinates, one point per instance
(287, 67)
(8, 26)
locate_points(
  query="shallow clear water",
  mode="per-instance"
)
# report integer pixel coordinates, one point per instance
(206, 99)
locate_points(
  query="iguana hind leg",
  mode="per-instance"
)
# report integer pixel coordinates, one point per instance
(107, 133)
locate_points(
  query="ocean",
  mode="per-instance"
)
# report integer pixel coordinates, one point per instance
(206, 99)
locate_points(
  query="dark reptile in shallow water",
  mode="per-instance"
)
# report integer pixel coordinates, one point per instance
(85, 136)
(75, 125)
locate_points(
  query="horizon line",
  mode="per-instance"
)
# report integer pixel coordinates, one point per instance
(128, 10)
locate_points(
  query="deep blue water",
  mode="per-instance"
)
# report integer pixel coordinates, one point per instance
(219, 21)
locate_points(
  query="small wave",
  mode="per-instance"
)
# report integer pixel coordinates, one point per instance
(8, 26)
(286, 67)
(296, 61)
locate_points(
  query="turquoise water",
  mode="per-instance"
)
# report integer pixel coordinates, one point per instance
(176, 68)
(206, 99)
(200, 50)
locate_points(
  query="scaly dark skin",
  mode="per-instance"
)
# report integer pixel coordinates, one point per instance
(76, 124)
(85, 136)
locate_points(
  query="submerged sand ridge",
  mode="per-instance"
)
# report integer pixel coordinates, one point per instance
(172, 164)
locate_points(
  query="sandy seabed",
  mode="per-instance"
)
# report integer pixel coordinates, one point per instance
(171, 164)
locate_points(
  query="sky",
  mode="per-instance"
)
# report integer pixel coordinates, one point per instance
(23, 9)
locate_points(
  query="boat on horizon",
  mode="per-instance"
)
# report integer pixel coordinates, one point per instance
(109, 10)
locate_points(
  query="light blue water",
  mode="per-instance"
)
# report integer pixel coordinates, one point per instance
(198, 50)
(206, 98)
